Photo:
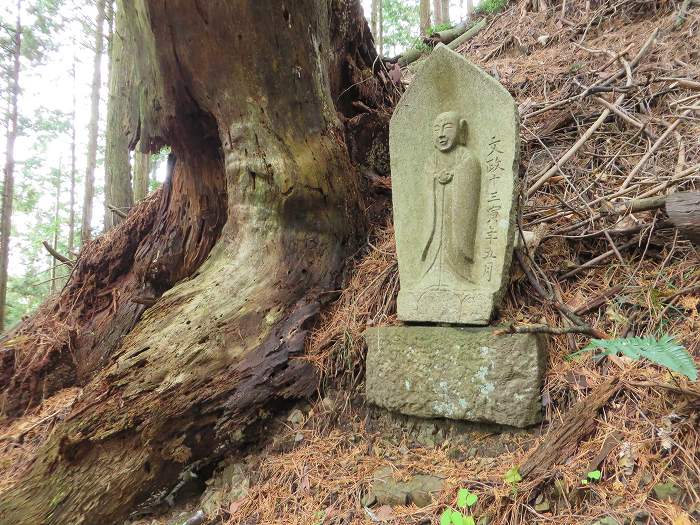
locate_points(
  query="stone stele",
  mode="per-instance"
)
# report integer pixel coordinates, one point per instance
(457, 373)
(454, 147)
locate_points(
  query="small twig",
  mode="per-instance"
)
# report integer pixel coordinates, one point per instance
(117, 211)
(654, 147)
(599, 259)
(546, 329)
(563, 309)
(60, 258)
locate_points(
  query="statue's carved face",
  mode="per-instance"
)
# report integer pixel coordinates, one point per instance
(446, 130)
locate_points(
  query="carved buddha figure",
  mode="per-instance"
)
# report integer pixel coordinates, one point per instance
(454, 175)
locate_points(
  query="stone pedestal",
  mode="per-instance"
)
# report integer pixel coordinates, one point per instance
(454, 144)
(457, 373)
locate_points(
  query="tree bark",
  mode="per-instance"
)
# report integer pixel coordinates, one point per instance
(71, 206)
(437, 12)
(9, 171)
(142, 170)
(424, 17)
(93, 126)
(56, 228)
(380, 28)
(683, 209)
(374, 18)
(445, 11)
(264, 189)
(122, 107)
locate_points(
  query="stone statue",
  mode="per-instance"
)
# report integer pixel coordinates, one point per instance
(454, 143)
(454, 175)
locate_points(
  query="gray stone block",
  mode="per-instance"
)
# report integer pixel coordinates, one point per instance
(465, 374)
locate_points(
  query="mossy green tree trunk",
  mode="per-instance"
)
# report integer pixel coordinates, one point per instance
(215, 280)
(122, 111)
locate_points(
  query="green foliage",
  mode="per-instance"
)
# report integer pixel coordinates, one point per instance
(490, 7)
(440, 27)
(513, 476)
(400, 24)
(593, 475)
(665, 352)
(465, 501)
(466, 498)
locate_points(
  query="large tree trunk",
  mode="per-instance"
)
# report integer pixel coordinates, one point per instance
(264, 186)
(8, 188)
(93, 126)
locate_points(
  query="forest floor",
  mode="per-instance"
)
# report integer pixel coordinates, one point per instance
(624, 273)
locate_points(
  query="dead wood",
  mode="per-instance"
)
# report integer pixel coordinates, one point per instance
(561, 442)
(60, 258)
(683, 208)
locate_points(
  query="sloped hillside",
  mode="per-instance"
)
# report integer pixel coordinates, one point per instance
(609, 97)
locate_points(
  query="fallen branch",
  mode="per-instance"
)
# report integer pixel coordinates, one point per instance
(563, 309)
(413, 54)
(60, 258)
(656, 146)
(546, 329)
(468, 35)
(117, 211)
(638, 57)
(599, 259)
(560, 444)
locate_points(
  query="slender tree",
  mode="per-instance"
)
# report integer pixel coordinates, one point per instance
(9, 177)
(374, 19)
(118, 187)
(380, 27)
(56, 227)
(71, 206)
(142, 169)
(445, 11)
(437, 12)
(424, 16)
(94, 124)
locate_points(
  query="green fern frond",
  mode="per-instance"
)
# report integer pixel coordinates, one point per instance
(665, 351)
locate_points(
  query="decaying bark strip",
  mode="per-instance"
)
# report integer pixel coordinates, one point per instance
(561, 441)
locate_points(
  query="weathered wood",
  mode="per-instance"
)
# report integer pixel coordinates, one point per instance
(263, 189)
(683, 208)
(560, 443)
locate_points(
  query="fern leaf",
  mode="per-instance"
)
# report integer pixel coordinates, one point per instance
(665, 351)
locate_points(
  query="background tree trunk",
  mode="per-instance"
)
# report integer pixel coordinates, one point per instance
(122, 108)
(445, 11)
(437, 12)
(424, 17)
(264, 189)
(94, 124)
(71, 206)
(142, 170)
(9, 171)
(56, 229)
(380, 28)
(374, 18)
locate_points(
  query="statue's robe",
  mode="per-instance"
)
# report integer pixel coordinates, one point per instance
(449, 245)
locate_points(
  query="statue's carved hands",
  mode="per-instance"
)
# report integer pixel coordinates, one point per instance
(445, 177)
